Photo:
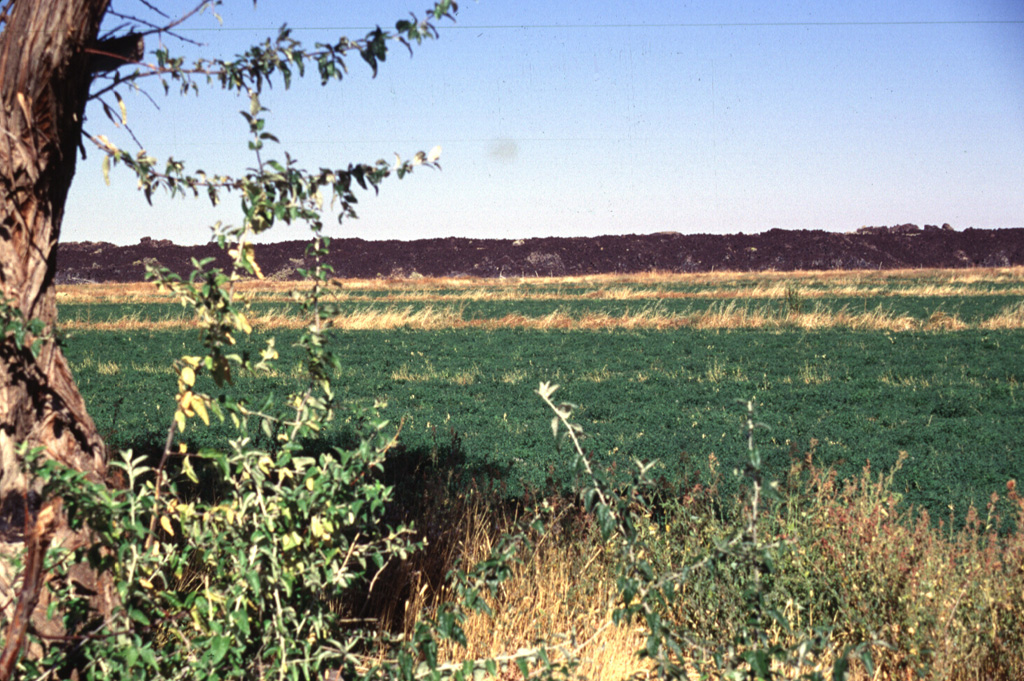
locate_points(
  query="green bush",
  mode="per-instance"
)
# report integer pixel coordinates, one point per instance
(247, 572)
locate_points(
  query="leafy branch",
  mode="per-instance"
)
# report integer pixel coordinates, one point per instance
(284, 56)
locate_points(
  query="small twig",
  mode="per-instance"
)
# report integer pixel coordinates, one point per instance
(590, 561)
(5, 11)
(394, 439)
(351, 548)
(545, 393)
(208, 68)
(128, 18)
(180, 20)
(369, 592)
(166, 28)
(158, 484)
(155, 9)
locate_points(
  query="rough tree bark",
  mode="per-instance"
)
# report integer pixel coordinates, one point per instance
(44, 86)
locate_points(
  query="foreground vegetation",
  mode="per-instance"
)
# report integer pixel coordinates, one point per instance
(317, 543)
(850, 561)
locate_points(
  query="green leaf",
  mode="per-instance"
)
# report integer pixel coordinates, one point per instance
(148, 656)
(131, 656)
(841, 666)
(241, 618)
(218, 649)
(760, 663)
(139, 617)
(290, 541)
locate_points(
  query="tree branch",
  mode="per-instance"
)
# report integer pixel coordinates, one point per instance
(251, 70)
(156, 9)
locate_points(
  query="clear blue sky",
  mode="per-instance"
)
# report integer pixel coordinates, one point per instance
(591, 118)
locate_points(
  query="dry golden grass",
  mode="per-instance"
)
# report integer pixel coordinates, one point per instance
(430, 374)
(1010, 317)
(559, 591)
(562, 590)
(725, 316)
(440, 303)
(646, 286)
(953, 592)
(127, 324)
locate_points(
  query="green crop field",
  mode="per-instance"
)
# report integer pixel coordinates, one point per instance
(854, 367)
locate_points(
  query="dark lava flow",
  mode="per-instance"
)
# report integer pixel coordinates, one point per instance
(904, 246)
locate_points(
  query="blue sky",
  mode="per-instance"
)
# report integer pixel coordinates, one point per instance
(583, 119)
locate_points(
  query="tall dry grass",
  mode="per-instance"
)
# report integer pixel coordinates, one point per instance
(723, 315)
(431, 304)
(1010, 317)
(644, 286)
(944, 603)
(560, 590)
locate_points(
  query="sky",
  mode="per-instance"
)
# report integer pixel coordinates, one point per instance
(593, 118)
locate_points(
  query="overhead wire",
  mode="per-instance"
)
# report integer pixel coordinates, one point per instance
(730, 24)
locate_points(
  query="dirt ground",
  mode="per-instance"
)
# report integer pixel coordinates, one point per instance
(903, 246)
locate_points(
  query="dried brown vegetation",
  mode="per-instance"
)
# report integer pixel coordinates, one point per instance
(440, 303)
(945, 601)
(642, 287)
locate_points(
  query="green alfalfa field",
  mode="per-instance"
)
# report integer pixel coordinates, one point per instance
(857, 368)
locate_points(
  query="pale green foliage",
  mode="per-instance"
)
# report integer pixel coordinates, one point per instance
(275, 190)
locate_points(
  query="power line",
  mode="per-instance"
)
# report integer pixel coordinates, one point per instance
(733, 24)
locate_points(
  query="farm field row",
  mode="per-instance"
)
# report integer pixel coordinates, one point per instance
(949, 399)
(886, 301)
(857, 284)
(900, 314)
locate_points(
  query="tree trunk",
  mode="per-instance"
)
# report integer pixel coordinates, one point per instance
(44, 86)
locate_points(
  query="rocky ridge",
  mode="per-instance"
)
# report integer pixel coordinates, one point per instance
(902, 246)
